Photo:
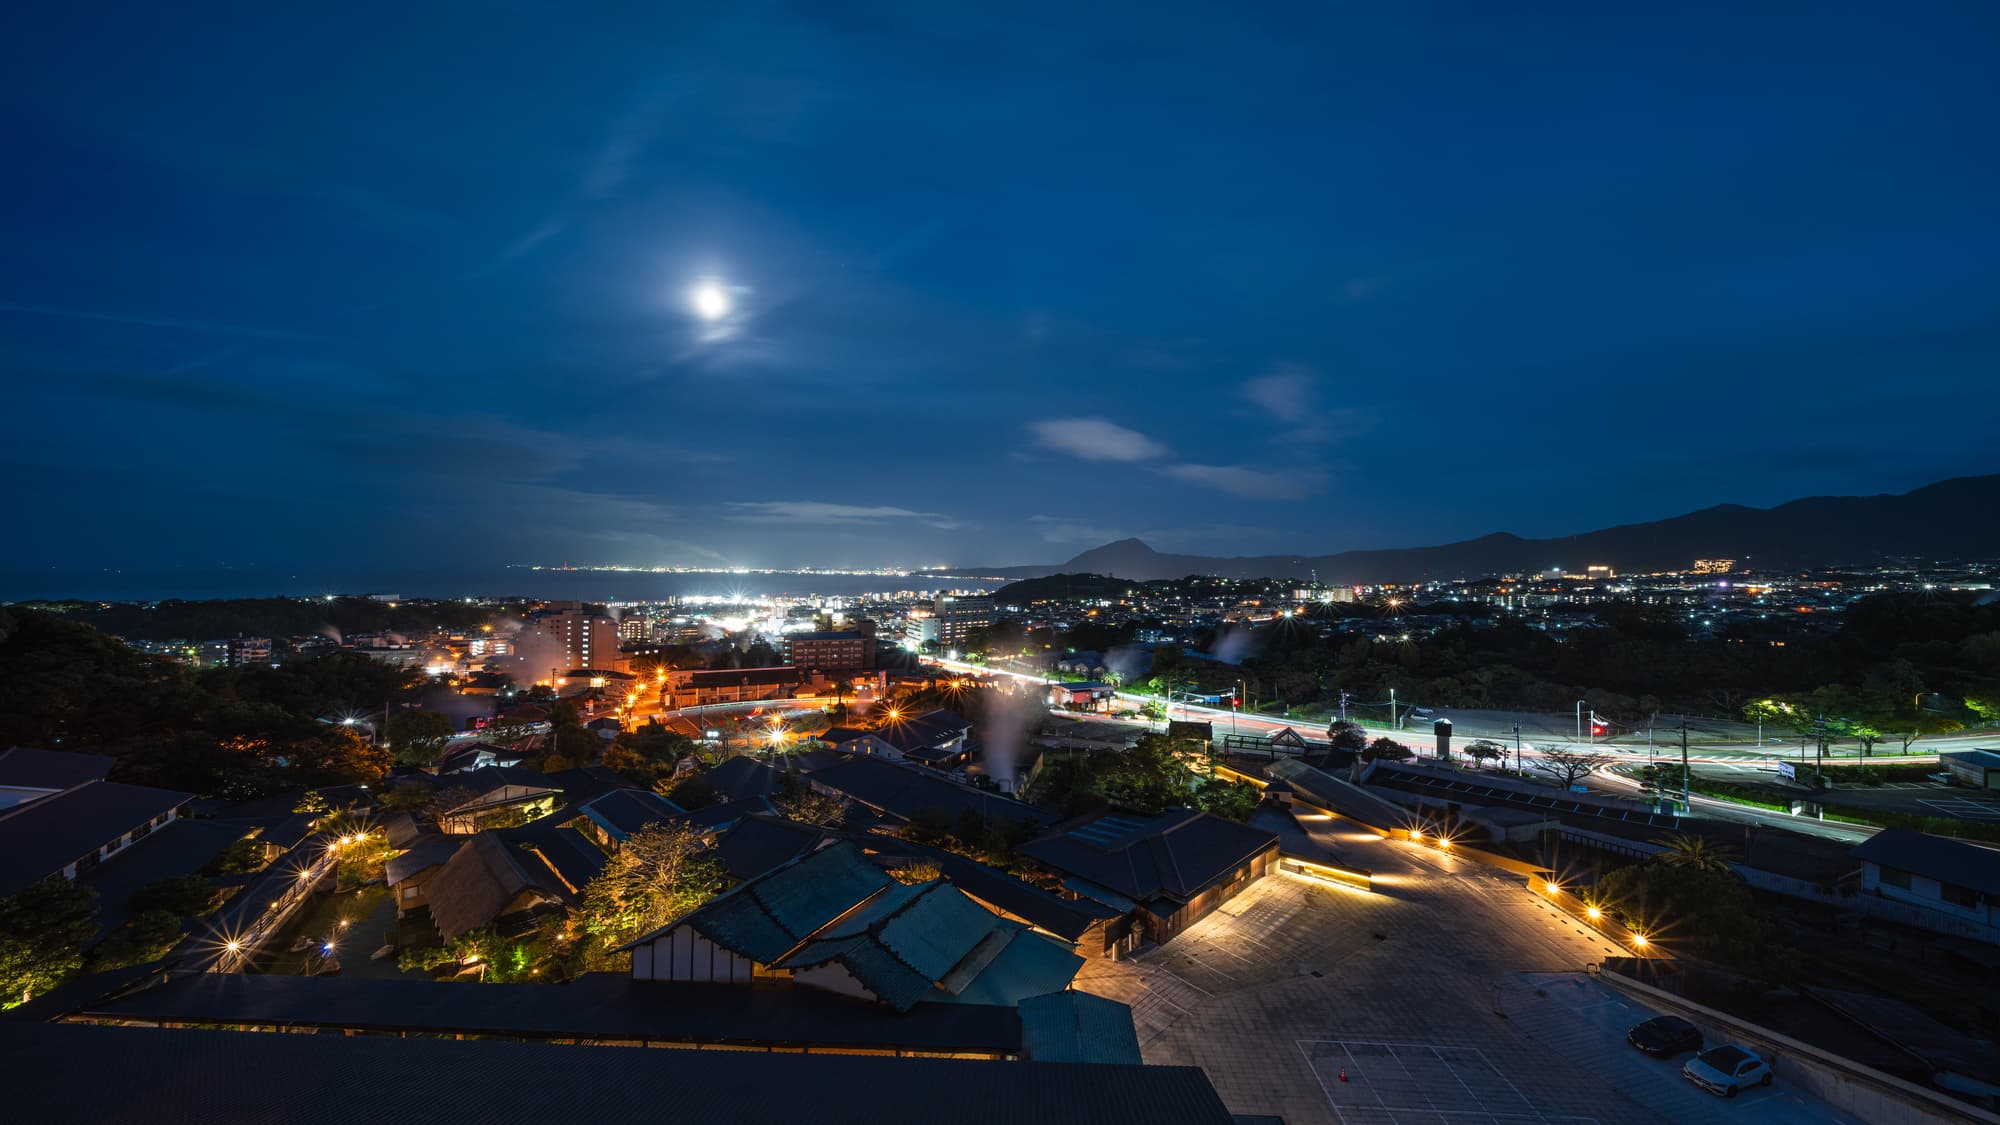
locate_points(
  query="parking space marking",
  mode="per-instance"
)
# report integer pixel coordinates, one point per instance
(1965, 808)
(1393, 1083)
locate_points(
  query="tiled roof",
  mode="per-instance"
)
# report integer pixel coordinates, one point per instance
(1934, 857)
(39, 838)
(1078, 1027)
(623, 812)
(758, 843)
(430, 852)
(240, 1078)
(930, 942)
(741, 777)
(767, 917)
(28, 768)
(1177, 854)
(905, 791)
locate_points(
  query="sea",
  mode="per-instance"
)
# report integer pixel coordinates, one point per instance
(501, 582)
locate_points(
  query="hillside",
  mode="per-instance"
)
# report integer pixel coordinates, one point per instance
(1947, 520)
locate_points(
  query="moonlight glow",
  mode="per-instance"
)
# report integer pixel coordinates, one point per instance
(710, 300)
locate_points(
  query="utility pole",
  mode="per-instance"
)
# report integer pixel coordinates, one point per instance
(1392, 710)
(1517, 748)
(1579, 720)
(1343, 706)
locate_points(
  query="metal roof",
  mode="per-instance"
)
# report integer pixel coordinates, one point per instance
(245, 1078)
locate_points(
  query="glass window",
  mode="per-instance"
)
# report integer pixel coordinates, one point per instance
(1890, 877)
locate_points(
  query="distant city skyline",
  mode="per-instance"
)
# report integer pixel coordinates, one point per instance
(940, 288)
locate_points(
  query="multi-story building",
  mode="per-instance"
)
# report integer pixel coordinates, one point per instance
(961, 615)
(844, 651)
(635, 629)
(247, 650)
(561, 640)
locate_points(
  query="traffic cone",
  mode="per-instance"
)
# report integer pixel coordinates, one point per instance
(1343, 1074)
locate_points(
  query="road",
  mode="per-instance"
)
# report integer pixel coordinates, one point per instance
(1537, 731)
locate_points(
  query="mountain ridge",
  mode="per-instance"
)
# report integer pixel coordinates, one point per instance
(1946, 519)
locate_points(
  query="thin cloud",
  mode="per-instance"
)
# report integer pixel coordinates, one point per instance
(814, 511)
(1289, 392)
(155, 322)
(1094, 439)
(1241, 481)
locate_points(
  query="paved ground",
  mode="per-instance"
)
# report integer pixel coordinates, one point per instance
(1430, 995)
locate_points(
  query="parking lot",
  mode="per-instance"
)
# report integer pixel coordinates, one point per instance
(1452, 995)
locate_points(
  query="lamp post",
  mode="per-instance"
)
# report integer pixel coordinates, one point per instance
(1579, 719)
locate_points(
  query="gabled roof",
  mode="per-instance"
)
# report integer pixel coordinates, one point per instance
(39, 838)
(1934, 857)
(769, 916)
(623, 812)
(479, 882)
(1176, 855)
(237, 1078)
(1078, 1027)
(25, 767)
(741, 777)
(929, 941)
(1067, 918)
(905, 791)
(430, 852)
(760, 842)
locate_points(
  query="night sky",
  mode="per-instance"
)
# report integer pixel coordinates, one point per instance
(299, 285)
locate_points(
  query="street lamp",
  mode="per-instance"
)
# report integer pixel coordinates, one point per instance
(1579, 719)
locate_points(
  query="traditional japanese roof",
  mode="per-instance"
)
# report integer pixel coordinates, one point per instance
(622, 812)
(904, 792)
(1934, 857)
(1177, 854)
(241, 1078)
(482, 879)
(741, 777)
(1067, 918)
(1078, 1027)
(25, 767)
(760, 842)
(430, 852)
(769, 916)
(38, 839)
(928, 941)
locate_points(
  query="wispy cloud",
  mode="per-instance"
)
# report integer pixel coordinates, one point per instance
(154, 322)
(815, 511)
(1094, 439)
(1289, 394)
(1239, 480)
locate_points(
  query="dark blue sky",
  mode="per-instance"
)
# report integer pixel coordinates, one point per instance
(410, 282)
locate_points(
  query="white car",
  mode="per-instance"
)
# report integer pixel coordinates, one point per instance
(1725, 1070)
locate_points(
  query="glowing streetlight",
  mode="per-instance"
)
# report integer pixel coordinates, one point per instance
(1594, 913)
(710, 300)
(233, 946)
(1638, 941)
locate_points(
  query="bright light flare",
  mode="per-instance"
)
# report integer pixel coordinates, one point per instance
(710, 300)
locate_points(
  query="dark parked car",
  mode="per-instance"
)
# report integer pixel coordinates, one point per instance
(1665, 1036)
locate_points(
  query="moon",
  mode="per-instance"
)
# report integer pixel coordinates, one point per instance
(710, 300)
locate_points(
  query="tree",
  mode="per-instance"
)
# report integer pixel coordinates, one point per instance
(661, 872)
(1482, 751)
(810, 806)
(1348, 736)
(1659, 782)
(43, 929)
(918, 871)
(407, 796)
(1683, 850)
(1387, 750)
(1572, 766)
(187, 896)
(416, 736)
(1703, 912)
(147, 936)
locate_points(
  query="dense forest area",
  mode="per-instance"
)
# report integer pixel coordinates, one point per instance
(234, 731)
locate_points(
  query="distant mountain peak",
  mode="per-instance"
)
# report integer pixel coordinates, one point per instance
(1929, 522)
